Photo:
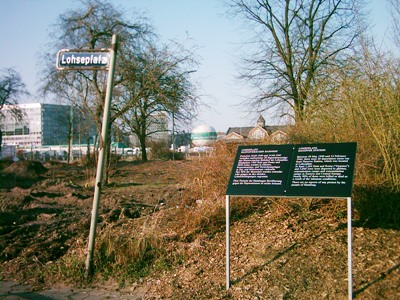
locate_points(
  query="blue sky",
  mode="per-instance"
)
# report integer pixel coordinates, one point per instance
(25, 25)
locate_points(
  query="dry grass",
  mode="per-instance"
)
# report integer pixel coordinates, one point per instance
(133, 249)
(175, 248)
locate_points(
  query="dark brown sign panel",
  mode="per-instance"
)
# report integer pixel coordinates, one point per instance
(309, 170)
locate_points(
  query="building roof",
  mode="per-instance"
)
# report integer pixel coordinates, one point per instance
(244, 131)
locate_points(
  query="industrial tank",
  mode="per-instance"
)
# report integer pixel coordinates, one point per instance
(203, 135)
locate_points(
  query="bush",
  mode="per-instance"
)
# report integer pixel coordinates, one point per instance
(377, 206)
(362, 106)
(161, 151)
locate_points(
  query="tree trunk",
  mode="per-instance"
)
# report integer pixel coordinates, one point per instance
(143, 147)
(88, 152)
(299, 109)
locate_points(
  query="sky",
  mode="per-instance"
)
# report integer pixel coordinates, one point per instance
(25, 26)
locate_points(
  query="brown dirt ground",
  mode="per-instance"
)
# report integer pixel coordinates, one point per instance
(277, 251)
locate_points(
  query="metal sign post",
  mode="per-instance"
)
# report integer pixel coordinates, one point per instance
(92, 59)
(227, 211)
(349, 247)
(349, 251)
(100, 163)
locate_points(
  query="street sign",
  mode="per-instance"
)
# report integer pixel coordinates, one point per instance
(91, 59)
(83, 59)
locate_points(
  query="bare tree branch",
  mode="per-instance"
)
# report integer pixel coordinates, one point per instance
(297, 40)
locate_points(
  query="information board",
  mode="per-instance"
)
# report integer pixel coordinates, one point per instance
(260, 170)
(303, 170)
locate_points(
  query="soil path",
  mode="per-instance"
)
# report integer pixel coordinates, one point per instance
(11, 290)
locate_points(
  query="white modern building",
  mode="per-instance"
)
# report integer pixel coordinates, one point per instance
(43, 125)
(157, 130)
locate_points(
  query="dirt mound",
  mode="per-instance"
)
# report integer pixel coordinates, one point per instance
(20, 174)
(26, 169)
(4, 163)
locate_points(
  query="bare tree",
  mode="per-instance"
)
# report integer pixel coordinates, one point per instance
(394, 6)
(158, 84)
(160, 72)
(12, 88)
(295, 41)
(91, 27)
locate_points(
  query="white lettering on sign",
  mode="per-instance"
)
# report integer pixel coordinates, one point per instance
(84, 60)
(67, 59)
(259, 167)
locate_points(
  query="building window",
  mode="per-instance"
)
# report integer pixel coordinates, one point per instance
(258, 134)
(18, 131)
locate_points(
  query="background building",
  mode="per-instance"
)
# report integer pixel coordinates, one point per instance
(157, 130)
(203, 135)
(270, 134)
(45, 125)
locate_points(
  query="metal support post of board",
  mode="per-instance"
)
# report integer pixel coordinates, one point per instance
(100, 163)
(227, 211)
(349, 250)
